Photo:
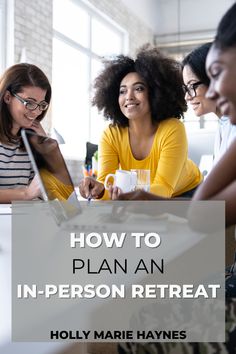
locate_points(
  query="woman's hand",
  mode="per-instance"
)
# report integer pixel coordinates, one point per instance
(90, 188)
(33, 190)
(37, 127)
(114, 192)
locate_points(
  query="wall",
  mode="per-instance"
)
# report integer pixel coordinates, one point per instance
(180, 20)
(33, 31)
(33, 37)
(188, 23)
(194, 16)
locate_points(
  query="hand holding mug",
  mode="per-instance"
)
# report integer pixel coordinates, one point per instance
(121, 179)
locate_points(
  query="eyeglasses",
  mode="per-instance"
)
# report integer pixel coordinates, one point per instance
(32, 105)
(191, 89)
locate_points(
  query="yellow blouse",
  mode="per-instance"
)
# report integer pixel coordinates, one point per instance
(55, 188)
(171, 172)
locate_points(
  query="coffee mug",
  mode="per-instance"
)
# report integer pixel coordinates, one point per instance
(141, 179)
(125, 180)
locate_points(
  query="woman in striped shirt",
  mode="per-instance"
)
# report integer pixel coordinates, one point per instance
(25, 94)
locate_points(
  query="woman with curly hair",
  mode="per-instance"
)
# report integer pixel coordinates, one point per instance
(144, 101)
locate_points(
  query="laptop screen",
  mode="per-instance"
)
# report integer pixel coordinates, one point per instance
(49, 164)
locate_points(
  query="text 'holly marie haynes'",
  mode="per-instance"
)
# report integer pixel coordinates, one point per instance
(117, 335)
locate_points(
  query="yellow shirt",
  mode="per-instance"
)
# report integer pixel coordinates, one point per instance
(55, 188)
(171, 172)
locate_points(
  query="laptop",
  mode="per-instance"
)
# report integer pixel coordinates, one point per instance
(57, 187)
(54, 179)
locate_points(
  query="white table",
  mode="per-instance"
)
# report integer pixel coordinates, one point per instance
(6, 346)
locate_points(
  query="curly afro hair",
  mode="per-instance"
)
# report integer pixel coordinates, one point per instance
(162, 75)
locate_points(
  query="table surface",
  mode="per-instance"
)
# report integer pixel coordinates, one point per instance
(6, 346)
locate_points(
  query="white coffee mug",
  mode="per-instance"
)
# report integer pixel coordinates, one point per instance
(122, 179)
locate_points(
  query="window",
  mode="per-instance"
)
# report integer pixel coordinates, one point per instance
(78, 45)
(192, 122)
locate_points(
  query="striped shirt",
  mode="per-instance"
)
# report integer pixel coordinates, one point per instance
(15, 167)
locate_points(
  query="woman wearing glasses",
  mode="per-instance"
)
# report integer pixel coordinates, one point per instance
(196, 83)
(25, 94)
(144, 100)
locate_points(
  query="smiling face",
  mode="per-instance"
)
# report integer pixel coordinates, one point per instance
(21, 116)
(200, 104)
(133, 97)
(221, 69)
